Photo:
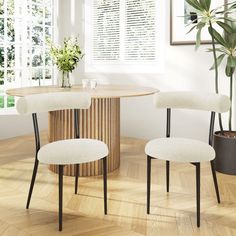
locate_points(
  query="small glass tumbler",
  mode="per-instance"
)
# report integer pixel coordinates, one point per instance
(85, 83)
(93, 83)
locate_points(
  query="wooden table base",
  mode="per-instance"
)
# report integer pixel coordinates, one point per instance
(101, 121)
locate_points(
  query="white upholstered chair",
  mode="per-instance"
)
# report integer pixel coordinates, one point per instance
(63, 152)
(182, 149)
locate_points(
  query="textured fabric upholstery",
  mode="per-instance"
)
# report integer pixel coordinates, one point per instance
(72, 151)
(192, 100)
(179, 150)
(53, 101)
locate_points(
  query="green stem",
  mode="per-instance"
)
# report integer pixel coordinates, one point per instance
(215, 60)
(216, 75)
(231, 99)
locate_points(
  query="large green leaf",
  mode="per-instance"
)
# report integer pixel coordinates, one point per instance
(231, 61)
(233, 25)
(208, 3)
(230, 67)
(217, 50)
(218, 61)
(226, 27)
(229, 71)
(219, 39)
(205, 4)
(195, 4)
(198, 36)
(226, 19)
(230, 38)
(192, 28)
(233, 70)
(231, 7)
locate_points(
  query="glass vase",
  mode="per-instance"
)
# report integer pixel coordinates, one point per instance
(65, 83)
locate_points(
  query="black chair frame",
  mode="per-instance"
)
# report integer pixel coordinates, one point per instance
(60, 168)
(197, 165)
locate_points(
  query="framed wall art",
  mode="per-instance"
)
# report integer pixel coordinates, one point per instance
(178, 23)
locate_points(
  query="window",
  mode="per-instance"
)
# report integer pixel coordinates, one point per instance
(24, 55)
(124, 36)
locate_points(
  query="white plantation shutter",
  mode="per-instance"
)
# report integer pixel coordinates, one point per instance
(140, 30)
(124, 36)
(106, 25)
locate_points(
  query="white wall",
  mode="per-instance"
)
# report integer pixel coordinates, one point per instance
(185, 70)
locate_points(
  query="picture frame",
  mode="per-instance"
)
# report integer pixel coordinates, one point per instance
(178, 29)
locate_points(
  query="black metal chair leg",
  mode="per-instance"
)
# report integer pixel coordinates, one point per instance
(105, 184)
(167, 175)
(60, 195)
(76, 177)
(148, 183)
(198, 192)
(215, 181)
(36, 163)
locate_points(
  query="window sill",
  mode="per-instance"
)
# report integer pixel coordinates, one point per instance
(8, 111)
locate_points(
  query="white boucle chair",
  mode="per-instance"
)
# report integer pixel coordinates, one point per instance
(181, 149)
(63, 152)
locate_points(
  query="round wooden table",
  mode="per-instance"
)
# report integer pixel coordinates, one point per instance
(101, 121)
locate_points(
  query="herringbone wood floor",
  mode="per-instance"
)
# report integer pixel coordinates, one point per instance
(171, 214)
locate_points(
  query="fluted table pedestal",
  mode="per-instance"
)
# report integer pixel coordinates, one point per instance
(101, 121)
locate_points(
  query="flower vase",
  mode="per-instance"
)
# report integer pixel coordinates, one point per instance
(65, 79)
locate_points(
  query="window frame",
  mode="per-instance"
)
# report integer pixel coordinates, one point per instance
(122, 66)
(25, 46)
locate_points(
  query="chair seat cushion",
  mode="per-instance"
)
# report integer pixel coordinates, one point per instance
(72, 151)
(179, 150)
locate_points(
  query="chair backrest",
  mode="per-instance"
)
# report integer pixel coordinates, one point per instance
(45, 102)
(193, 100)
(36, 103)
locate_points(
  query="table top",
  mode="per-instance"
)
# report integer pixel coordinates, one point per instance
(102, 91)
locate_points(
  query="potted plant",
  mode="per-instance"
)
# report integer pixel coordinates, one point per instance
(66, 58)
(223, 48)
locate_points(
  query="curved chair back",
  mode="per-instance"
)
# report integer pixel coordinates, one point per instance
(193, 100)
(45, 102)
(36, 103)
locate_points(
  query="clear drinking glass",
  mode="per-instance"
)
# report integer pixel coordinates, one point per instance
(93, 83)
(85, 83)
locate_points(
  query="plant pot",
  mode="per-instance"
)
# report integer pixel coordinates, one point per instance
(225, 148)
